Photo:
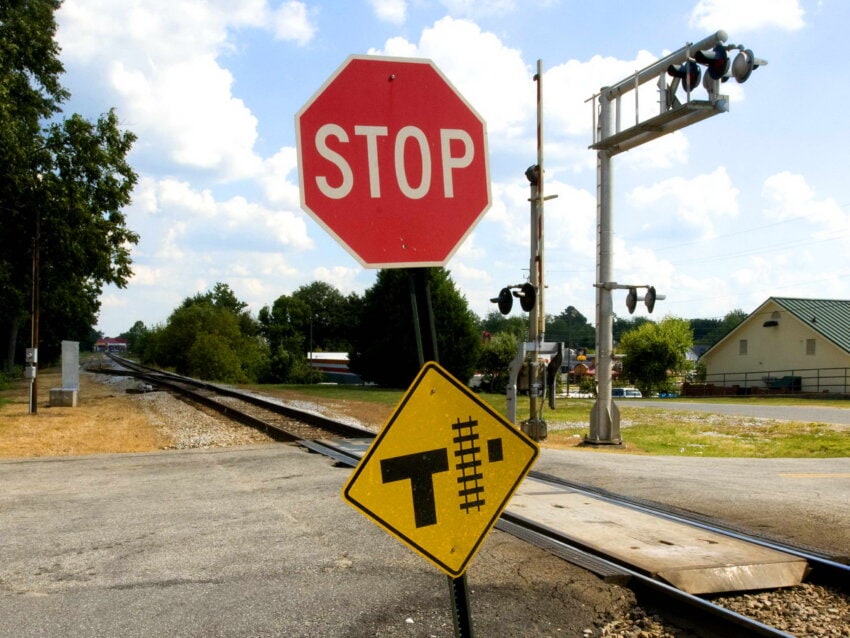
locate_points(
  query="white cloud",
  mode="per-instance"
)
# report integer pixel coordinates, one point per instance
(342, 278)
(291, 21)
(278, 188)
(188, 107)
(568, 86)
(176, 96)
(394, 11)
(665, 152)
(144, 275)
(479, 8)
(695, 202)
(198, 223)
(737, 17)
(492, 77)
(790, 197)
(566, 112)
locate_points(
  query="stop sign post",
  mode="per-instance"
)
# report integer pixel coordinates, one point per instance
(392, 161)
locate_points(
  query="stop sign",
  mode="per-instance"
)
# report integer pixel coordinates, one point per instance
(392, 162)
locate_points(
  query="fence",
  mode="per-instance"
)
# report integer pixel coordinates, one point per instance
(805, 381)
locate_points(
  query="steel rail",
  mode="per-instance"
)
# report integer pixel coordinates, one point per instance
(701, 612)
(706, 614)
(178, 382)
(825, 566)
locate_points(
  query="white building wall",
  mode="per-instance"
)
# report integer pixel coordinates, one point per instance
(777, 351)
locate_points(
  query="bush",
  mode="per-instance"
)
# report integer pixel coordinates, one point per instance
(7, 377)
(211, 358)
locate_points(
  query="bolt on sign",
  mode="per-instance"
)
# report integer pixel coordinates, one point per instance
(392, 162)
(441, 471)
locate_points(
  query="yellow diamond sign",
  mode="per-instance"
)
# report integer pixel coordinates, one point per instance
(441, 471)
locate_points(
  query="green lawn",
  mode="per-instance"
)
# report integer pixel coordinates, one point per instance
(342, 392)
(668, 431)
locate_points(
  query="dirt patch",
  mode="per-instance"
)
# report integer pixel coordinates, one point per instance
(107, 419)
(113, 417)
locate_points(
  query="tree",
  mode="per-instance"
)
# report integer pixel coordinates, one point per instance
(136, 337)
(210, 336)
(572, 328)
(63, 185)
(622, 326)
(212, 357)
(729, 322)
(654, 349)
(496, 322)
(495, 359)
(384, 344)
(332, 316)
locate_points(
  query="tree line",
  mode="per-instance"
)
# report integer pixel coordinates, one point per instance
(64, 182)
(213, 336)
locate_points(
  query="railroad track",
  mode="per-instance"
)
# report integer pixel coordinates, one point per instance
(344, 443)
(276, 419)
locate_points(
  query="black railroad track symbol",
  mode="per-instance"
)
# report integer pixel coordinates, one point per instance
(469, 463)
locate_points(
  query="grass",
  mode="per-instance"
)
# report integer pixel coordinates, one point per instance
(339, 392)
(668, 431)
(825, 400)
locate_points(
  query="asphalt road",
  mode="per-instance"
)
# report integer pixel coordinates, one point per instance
(252, 542)
(815, 414)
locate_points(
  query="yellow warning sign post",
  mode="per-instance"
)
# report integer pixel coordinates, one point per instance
(441, 471)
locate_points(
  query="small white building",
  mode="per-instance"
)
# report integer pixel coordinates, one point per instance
(110, 344)
(334, 365)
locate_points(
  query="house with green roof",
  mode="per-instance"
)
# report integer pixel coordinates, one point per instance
(786, 344)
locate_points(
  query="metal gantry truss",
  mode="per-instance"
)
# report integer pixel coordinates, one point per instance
(609, 139)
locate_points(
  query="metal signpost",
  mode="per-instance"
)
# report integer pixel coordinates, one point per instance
(393, 163)
(683, 68)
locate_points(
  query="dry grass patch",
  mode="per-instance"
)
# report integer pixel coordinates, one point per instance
(107, 420)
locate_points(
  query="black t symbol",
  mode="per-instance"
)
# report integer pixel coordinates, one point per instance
(419, 468)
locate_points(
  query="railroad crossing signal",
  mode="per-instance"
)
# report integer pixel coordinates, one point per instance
(441, 471)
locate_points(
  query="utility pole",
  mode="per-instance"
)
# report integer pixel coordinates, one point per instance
(535, 426)
(32, 352)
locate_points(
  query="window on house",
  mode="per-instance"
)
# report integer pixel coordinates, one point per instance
(810, 346)
(742, 346)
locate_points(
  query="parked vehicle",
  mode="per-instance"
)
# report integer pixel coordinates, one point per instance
(626, 393)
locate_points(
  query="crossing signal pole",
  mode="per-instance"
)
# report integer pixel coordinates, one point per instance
(684, 68)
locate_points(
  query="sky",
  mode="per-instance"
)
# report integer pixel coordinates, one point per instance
(718, 216)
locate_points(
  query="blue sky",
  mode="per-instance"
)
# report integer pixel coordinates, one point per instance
(745, 205)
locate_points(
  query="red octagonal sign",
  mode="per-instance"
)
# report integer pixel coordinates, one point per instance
(392, 161)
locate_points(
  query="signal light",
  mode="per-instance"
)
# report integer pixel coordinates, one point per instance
(744, 64)
(689, 73)
(526, 293)
(527, 297)
(631, 300)
(505, 301)
(717, 61)
(650, 298)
